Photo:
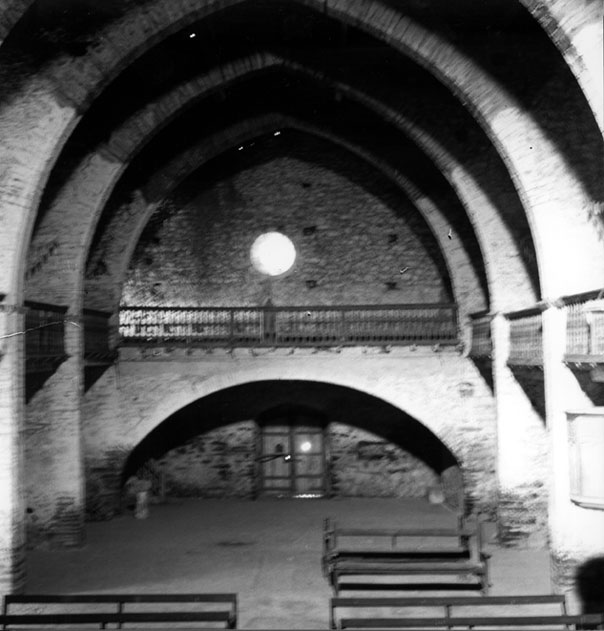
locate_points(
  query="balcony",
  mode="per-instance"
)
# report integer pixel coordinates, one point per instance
(526, 337)
(411, 324)
(44, 336)
(482, 344)
(585, 328)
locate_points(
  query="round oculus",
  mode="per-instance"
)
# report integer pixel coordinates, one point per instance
(272, 253)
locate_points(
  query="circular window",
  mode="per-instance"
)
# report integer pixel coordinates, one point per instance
(273, 253)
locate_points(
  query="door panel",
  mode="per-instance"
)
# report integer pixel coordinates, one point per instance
(276, 469)
(309, 461)
(292, 460)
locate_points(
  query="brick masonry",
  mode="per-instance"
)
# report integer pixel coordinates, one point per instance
(440, 389)
(349, 242)
(386, 470)
(223, 463)
(218, 463)
(40, 111)
(106, 268)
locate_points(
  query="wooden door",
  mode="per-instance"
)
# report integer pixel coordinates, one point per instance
(308, 461)
(292, 461)
(276, 461)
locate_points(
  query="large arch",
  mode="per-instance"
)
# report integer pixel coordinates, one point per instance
(92, 184)
(494, 109)
(126, 226)
(103, 291)
(149, 390)
(39, 110)
(578, 37)
(126, 141)
(575, 34)
(325, 404)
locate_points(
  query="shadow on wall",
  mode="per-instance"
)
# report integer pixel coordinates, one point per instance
(590, 586)
(592, 383)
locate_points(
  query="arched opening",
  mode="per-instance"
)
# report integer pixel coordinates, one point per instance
(292, 438)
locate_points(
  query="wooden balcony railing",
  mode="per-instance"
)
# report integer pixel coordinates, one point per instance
(291, 326)
(585, 327)
(482, 344)
(44, 337)
(526, 337)
(97, 337)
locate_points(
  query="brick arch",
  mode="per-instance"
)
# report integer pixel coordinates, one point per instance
(467, 290)
(577, 34)
(558, 20)
(145, 409)
(104, 292)
(327, 402)
(131, 219)
(92, 183)
(560, 223)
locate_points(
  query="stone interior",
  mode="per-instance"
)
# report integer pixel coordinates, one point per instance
(438, 167)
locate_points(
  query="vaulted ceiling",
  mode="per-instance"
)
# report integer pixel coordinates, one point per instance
(479, 113)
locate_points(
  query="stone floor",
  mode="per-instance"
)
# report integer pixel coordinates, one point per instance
(268, 551)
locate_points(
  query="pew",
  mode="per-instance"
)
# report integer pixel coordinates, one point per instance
(452, 561)
(511, 612)
(118, 609)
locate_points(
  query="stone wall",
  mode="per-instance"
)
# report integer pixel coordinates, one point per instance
(353, 235)
(218, 463)
(365, 465)
(126, 404)
(222, 463)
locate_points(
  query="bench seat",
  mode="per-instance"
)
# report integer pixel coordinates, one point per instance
(473, 622)
(118, 609)
(448, 611)
(451, 551)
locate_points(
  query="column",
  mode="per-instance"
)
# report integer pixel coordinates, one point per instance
(522, 458)
(12, 510)
(576, 533)
(54, 475)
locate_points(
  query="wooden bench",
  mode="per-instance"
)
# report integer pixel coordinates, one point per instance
(380, 555)
(118, 609)
(458, 611)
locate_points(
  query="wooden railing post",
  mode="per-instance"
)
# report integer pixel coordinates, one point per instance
(232, 327)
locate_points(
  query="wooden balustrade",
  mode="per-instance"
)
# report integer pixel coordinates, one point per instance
(291, 326)
(585, 327)
(526, 337)
(482, 343)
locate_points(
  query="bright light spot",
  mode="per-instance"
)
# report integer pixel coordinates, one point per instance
(305, 446)
(287, 457)
(277, 133)
(239, 148)
(192, 35)
(272, 253)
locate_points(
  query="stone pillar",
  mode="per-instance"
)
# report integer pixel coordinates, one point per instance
(54, 475)
(576, 533)
(12, 509)
(106, 451)
(522, 459)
